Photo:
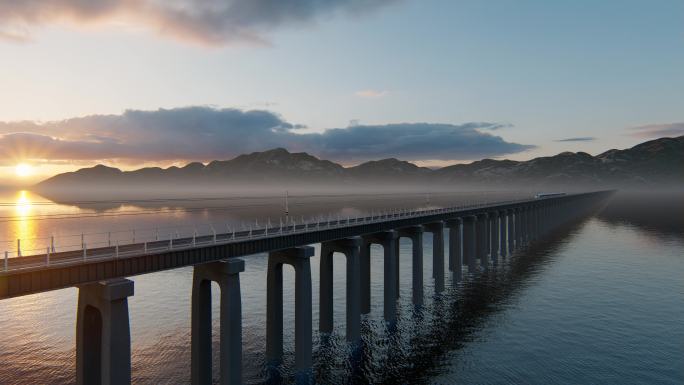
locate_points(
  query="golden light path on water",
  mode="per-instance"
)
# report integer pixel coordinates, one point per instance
(19, 222)
(23, 227)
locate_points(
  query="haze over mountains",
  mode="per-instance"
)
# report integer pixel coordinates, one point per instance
(654, 164)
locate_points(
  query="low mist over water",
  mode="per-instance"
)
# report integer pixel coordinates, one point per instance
(598, 301)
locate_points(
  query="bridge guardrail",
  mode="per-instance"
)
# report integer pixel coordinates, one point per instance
(102, 245)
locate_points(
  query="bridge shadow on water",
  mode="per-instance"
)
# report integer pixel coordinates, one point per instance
(424, 340)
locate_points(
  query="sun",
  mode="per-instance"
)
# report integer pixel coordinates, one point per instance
(23, 170)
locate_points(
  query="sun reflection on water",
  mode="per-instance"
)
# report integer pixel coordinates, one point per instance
(23, 205)
(24, 226)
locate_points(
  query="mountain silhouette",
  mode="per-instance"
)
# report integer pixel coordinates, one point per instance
(655, 163)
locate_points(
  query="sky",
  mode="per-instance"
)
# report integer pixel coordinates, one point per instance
(132, 83)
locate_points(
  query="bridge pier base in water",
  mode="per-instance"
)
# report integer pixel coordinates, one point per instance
(103, 336)
(437, 230)
(532, 223)
(350, 247)
(482, 236)
(494, 236)
(519, 230)
(510, 235)
(503, 234)
(455, 241)
(415, 233)
(529, 219)
(387, 239)
(470, 242)
(299, 259)
(227, 274)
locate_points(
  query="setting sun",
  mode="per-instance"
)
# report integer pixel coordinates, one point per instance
(23, 170)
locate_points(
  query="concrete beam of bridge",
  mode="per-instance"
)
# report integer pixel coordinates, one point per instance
(68, 271)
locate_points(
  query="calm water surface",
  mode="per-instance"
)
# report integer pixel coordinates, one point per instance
(601, 301)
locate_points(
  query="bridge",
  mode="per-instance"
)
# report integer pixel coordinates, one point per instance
(478, 236)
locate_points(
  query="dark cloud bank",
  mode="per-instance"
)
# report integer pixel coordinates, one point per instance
(204, 133)
(578, 139)
(204, 21)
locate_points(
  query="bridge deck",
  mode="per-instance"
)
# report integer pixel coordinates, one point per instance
(31, 274)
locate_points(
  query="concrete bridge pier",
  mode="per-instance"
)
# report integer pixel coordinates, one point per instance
(529, 235)
(437, 230)
(541, 221)
(503, 234)
(535, 222)
(490, 236)
(529, 225)
(365, 275)
(512, 230)
(103, 336)
(482, 236)
(547, 221)
(227, 274)
(350, 247)
(470, 242)
(455, 250)
(494, 236)
(299, 259)
(415, 233)
(519, 228)
(387, 239)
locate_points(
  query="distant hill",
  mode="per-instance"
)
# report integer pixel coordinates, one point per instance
(387, 169)
(657, 162)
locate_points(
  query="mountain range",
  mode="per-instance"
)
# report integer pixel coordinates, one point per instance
(655, 163)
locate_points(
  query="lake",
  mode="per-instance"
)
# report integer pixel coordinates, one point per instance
(598, 301)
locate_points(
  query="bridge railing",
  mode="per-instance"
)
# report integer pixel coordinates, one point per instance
(53, 250)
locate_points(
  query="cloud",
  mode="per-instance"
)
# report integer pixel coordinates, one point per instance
(206, 133)
(578, 139)
(371, 94)
(413, 141)
(658, 130)
(214, 22)
(495, 126)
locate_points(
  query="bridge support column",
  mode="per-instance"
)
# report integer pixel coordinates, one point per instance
(511, 233)
(227, 275)
(527, 217)
(103, 336)
(455, 241)
(350, 247)
(503, 234)
(470, 242)
(494, 235)
(387, 239)
(547, 226)
(365, 275)
(539, 222)
(489, 241)
(415, 233)
(437, 230)
(519, 228)
(299, 259)
(397, 274)
(529, 221)
(534, 211)
(482, 236)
